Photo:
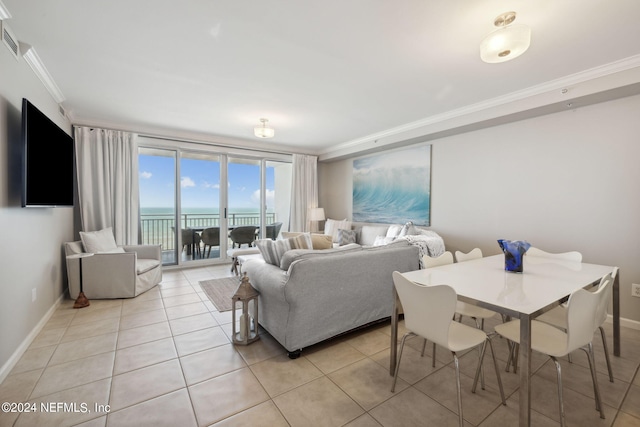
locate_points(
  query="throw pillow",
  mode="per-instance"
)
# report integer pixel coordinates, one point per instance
(272, 250)
(394, 230)
(346, 236)
(98, 241)
(332, 226)
(383, 240)
(321, 241)
(408, 230)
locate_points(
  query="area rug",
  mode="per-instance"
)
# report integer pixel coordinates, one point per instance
(220, 291)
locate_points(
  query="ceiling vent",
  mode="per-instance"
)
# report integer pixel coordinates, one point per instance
(9, 39)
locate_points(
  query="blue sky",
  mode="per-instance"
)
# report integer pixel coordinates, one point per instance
(200, 183)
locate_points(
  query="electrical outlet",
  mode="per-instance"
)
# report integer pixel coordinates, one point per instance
(635, 290)
(34, 295)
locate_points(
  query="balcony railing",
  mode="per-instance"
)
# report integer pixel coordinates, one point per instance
(159, 229)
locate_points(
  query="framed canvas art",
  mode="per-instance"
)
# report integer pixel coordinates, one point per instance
(393, 187)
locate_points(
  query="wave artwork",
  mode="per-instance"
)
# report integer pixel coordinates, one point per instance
(394, 187)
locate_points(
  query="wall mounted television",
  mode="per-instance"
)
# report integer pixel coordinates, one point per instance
(47, 161)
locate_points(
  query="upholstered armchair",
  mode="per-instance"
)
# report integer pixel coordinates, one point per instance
(120, 272)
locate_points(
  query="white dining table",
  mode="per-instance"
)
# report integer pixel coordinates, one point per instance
(544, 284)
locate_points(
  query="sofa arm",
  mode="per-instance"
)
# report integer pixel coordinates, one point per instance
(145, 251)
(108, 275)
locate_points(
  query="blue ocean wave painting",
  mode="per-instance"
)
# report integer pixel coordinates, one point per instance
(393, 187)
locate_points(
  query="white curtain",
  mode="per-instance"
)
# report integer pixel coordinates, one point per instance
(107, 164)
(304, 191)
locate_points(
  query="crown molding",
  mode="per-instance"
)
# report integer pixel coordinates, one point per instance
(562, 88)
(33, 59)
(4, 12)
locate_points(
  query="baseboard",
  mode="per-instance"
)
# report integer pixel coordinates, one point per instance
(626, 323)
(15, 357)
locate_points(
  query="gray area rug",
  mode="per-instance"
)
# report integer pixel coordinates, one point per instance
(220, 291)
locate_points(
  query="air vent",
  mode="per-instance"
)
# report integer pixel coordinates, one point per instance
(61, 111)
(9, 39)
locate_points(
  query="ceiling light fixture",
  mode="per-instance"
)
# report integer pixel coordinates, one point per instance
(31, 57)
(263, 131)
(507, 42)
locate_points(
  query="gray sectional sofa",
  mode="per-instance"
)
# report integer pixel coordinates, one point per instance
(321, 294)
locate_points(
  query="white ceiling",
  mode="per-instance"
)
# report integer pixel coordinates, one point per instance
(326, 74)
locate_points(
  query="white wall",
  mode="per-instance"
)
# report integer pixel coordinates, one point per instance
(566, 181)
(31, 255)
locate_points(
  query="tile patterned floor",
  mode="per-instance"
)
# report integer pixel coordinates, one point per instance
(165, 359)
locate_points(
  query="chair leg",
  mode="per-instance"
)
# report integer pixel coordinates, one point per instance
(495, 365)
(395, 375)
(594, 377)
(433, 356)
(424, 345)
(606, 353)
(459, 393)
(560, 399)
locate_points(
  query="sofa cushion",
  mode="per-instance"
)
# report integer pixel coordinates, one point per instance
(346, 237)
(289, 257)
(368, 233)
(144, 265)
(272, 250)
(98, 241)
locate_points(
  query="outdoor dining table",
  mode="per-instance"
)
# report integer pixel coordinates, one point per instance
(545, 283)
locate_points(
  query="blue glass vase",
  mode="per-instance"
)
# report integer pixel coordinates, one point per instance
(513, 252)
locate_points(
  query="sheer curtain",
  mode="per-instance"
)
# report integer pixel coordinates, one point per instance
(304, 190)
(107, 164)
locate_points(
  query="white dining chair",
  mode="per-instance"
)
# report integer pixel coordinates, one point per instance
(430, 262)
(582, 313)
(470, 310)
(558, 317)
(428, 313)
(564, 256)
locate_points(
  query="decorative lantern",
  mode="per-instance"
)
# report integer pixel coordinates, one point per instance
(248, 296)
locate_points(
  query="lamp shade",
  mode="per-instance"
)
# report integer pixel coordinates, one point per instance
(316, 214)
(505, 43)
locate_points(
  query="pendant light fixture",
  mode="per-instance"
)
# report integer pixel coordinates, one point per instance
(507, 42)
(263, 131)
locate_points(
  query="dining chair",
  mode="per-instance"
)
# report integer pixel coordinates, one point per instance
(242, 235)
(470, 310)
(558, 317)
(564, 256)
(272, 230)
(428, 313)
(210, 237)
(191, 239)
(582, 315)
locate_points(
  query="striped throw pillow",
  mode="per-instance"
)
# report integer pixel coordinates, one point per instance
(272, 250)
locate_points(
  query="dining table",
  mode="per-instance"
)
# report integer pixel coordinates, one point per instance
(544, 284)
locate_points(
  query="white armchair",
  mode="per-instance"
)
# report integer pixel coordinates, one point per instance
(125, 273)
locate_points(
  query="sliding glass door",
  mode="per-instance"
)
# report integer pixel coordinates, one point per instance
(197, 204)
(200, 196)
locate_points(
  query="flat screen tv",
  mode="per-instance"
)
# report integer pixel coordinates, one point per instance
(48, 158)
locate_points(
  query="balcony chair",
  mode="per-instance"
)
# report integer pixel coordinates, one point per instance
(428, 313)
(272, 230)
(113, 271)
(582, 318)
(210, 237)
(243, 235)
(191, 240)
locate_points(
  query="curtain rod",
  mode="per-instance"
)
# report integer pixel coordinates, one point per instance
(194, 141)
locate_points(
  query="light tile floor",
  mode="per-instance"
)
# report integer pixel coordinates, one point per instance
(165, 359)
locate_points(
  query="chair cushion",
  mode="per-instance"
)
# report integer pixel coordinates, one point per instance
(144, 265)
(98, 241)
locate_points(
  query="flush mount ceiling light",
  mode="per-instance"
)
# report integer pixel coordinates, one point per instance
(263, 131)
(507, 42)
